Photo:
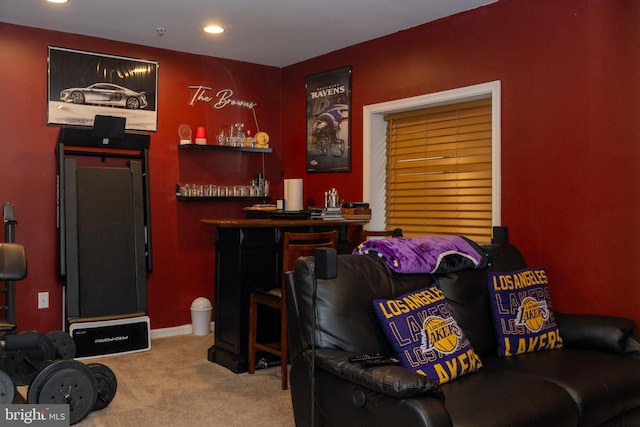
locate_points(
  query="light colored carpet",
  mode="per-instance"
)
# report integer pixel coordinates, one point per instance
(174, 384)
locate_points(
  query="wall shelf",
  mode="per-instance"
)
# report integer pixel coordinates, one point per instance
(222, 198)
(180, 195)
(212, 147)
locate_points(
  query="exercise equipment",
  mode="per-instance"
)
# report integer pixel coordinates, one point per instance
(12, 268)
(65, 382)
(106, 384)
(104, 234)
(7, 389)
(64, 344)
(23, 354)
(44, 362)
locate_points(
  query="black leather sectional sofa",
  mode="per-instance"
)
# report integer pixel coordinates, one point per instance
(593, 380)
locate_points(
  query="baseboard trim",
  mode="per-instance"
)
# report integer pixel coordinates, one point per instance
(174, 331)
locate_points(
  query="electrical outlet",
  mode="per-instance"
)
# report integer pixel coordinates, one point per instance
(43, 300)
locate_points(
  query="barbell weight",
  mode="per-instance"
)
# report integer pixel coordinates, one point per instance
(24, 354)
(7, 389)
(65, 382)
(106, 382)
(63, 343)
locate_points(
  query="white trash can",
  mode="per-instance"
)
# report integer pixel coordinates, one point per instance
(201, 316)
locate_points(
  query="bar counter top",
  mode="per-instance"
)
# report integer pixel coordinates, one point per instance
(260, 223)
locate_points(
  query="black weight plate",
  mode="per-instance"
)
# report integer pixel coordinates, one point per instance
(70, 378)
(29, 351)
(7, 389)
(43, 375)
(106, 382)
(23, 365)
(51, 367)
(65, 345)
(69, 386)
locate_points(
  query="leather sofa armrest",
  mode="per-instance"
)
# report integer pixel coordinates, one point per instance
(391, 380)
(632, 346)
(595, 332)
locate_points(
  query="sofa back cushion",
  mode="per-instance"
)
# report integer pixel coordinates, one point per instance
(467, 293)
(345, 316)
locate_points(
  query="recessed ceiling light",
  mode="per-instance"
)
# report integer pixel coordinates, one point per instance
(213, 29)
(57, 1)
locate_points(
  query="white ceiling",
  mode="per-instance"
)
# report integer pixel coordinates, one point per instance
(269, 32)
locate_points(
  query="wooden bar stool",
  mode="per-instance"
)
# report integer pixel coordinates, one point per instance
(294, 246)
(382, 234)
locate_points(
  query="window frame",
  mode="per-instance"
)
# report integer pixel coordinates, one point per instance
(374, 143)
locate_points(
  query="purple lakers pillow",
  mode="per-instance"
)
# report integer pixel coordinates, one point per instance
(425, 336)
(522, 313)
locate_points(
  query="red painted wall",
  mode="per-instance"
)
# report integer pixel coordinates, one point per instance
(182, 249)
(570, 142)
(570, 128)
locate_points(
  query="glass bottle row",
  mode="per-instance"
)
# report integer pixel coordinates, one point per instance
(213, 190)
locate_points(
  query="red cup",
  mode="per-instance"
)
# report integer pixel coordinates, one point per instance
(200, 133)
(201, 137)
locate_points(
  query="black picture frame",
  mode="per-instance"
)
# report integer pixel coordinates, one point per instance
(328, 105)
(101, 84)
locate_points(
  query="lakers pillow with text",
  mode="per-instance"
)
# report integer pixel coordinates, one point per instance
(522, 312)
(424, 335)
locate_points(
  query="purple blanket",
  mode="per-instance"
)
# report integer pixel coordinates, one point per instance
(428, 254)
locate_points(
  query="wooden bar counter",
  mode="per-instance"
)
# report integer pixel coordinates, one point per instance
(249, 255)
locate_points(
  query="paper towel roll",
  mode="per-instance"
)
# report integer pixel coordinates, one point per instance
(293, 194)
